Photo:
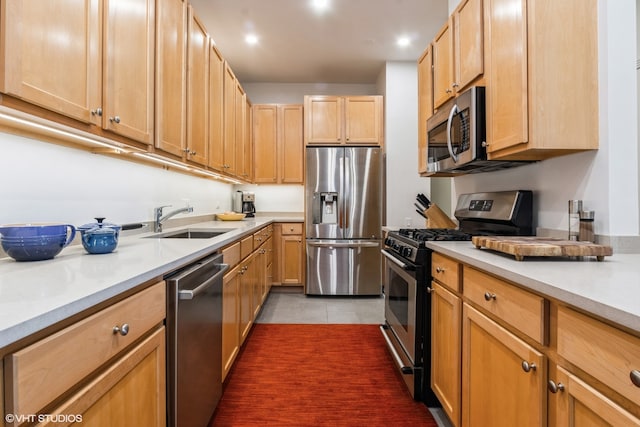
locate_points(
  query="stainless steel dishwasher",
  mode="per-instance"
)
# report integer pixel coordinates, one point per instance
(194, 351)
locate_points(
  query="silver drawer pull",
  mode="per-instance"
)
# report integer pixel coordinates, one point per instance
(439, 270)
(122, 330)
(635, 377)
(554, 388)
(489, 296)
(528, 367)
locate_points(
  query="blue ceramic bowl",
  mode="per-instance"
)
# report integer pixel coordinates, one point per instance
(36, 230)
(34, 249)
(35, 242)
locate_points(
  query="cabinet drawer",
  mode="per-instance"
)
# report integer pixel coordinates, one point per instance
(38, 374)
(602, 351)
(519, 308)
(292, 228)
(446, 271)
(259, 237)
(231, 254)
(246, 247)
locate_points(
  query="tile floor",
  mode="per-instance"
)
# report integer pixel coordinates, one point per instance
(293, 306)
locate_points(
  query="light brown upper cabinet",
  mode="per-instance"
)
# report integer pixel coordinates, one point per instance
(278, 143)
(343, 120)
(216, 109)
(425, 105)
(197, 91)
(171, 57)
(229, 126)
(35, 68)
(87, 60)
(458, 54)
(542, 78)
(128, 58)
(242, 146)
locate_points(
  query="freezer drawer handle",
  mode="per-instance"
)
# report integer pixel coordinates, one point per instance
(344, 245)
(192, 293)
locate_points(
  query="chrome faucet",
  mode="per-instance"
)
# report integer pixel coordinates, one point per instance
(159, 218)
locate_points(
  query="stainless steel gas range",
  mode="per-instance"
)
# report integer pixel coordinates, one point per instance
(407, 277)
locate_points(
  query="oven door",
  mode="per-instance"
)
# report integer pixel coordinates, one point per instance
(399, 329)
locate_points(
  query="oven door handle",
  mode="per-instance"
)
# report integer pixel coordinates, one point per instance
(453, 111)
(397, 262)
(343, 245)
(403, 368)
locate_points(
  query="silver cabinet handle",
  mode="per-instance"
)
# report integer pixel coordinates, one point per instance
(115, 119)
(635, 377)
(430, 290)
(553, 387)
(528, 367)
(122, 330)
(488, 296)
(97, 112)
(439, 270)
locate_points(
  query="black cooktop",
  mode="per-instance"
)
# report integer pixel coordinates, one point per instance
(427, 234)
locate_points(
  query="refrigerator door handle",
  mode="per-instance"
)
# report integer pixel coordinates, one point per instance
(343, 244)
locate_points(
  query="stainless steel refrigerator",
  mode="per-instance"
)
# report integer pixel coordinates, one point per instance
(344, 197)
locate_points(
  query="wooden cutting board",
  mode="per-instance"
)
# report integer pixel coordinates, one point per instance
(541, 246)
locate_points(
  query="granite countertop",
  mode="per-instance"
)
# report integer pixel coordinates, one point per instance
(35, 295)
(609, 289)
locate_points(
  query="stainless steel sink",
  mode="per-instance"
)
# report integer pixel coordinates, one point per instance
(189, 233)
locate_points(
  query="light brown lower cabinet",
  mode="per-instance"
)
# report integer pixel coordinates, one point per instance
(96, 365)
(446, 333)
(230, 319)
(503, 378)
(579, 404)
(130, 392)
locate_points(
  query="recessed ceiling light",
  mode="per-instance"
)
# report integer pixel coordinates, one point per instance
(320, 5)
(403, 41)
(251, 39)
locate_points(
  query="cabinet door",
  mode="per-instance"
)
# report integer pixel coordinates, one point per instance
(247, 273)
(131, 391)
(425, 105)
(229, 137)
(216, 109)
(363, 120)
(507, 88)
(291, 146)
(497, 390)
(265, 137)
(128, 80)
(61, 73)
(446, 321)
(230, 319)
(469, 43)
(578, 404)
(291, 259)
(241, 147)
(443, 65)
(198, 90)
(323, 120)
(171, 23)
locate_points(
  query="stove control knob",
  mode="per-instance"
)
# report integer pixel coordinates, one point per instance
(388, 241)
(406, 252)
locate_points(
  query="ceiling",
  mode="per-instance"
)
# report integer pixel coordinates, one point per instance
(347, 43)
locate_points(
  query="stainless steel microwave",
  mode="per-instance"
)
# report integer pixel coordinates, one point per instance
(456, 137)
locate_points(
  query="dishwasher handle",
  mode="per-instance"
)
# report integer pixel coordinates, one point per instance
(192, 293)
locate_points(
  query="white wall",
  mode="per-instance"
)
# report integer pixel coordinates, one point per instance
(399, 83)
(43, 182)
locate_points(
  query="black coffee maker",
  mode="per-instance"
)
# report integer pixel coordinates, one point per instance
(244, 202)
